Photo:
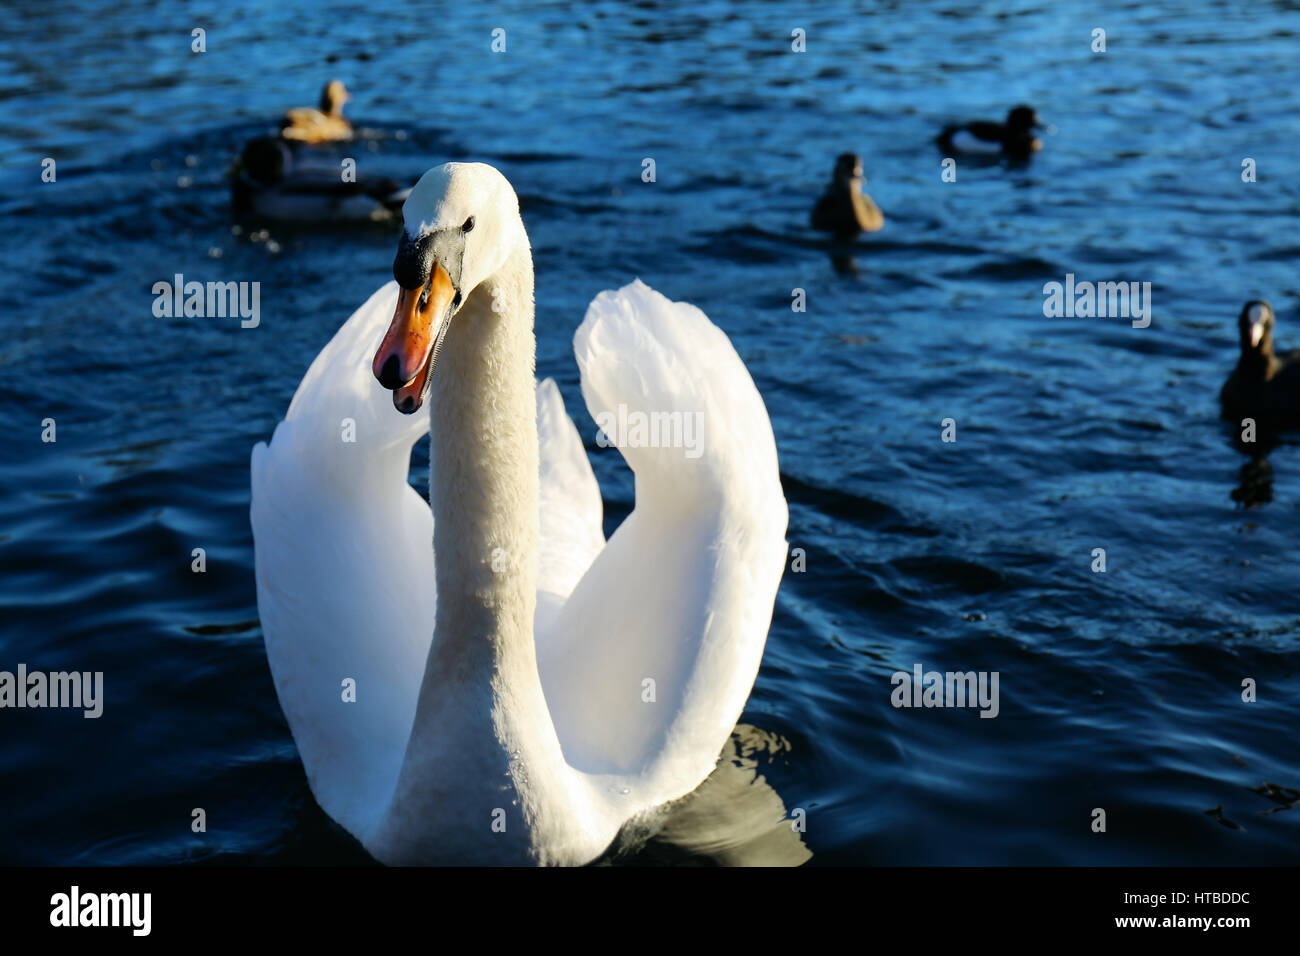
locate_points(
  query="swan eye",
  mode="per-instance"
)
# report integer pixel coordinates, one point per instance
(469, 225)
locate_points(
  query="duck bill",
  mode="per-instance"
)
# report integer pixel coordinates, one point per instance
(1256, 334)
(408, 353)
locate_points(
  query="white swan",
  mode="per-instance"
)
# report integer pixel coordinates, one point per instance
(510, 720)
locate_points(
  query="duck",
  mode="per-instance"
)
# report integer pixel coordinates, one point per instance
(1264, 385)
(323, 124)
(275, 180)
(1014, 139)
(844, 209)
(485, 678)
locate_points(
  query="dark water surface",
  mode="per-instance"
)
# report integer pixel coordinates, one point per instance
(1119, 690)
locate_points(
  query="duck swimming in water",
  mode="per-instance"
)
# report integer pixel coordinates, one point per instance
(844, 209)
(274, 180)
(1014, 139)
(1264, 386)
(323, 125)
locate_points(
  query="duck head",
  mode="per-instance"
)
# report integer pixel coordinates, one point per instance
(1023, 119)
(1023, 123)
(264, 160)
(333, 97)
(1256, 326)
(461, 225)
(848, 170)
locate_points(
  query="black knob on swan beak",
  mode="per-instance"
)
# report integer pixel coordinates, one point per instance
(390, 376)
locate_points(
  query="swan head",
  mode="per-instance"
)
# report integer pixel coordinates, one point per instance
(461, 226)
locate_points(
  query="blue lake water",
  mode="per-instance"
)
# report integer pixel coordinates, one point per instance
(1119, 690)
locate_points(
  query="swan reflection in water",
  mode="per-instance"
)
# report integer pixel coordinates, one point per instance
(733, 818)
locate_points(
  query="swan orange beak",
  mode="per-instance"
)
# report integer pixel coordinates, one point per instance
(409, 351)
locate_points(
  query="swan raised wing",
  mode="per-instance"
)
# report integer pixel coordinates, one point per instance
(656, 649)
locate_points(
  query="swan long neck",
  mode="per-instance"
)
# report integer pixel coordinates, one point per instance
(483, 472)
(483, 748)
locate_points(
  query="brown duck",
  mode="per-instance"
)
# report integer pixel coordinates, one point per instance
(323, 125)
(844, 209)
